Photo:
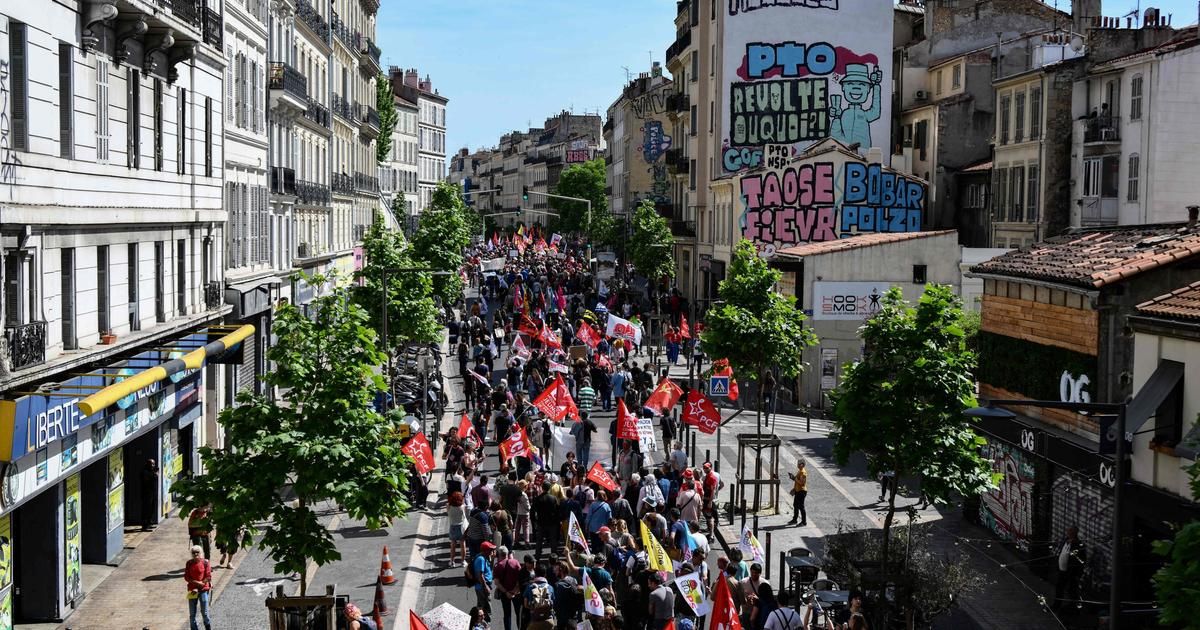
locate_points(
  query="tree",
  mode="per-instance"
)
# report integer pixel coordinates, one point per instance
(320, 440)
(412, 315)
(651, 246)
(585, 181)
(441, 237)
(386, 104)
(902, 404)
(757, 329)
(1176, 582)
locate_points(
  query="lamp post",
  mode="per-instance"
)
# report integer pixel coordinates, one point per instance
(991, 411)
(387, 346)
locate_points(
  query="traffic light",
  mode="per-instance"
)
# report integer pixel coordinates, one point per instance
(524, 193)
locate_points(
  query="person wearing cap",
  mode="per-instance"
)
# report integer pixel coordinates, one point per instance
(662, 601)
(355, 619)
(852, 124)
(481, 569)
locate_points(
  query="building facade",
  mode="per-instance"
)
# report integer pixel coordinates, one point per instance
(431, 130)
(399, 172)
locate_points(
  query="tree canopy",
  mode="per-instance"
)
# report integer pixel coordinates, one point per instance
(1177, 583)
(320, 439)
(441, 236)
(651, 246)
(386, 104)
(586, 180)
(412, 315)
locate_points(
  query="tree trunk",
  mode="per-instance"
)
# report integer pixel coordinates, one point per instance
(887, 523)
(758, 444)
(303, 570)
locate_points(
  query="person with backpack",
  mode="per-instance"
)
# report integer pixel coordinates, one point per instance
(481, 575)
(479, 530)
(785, 617)
(539, 601)
(568, 596)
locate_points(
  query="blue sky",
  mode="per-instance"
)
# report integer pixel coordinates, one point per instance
(505, 64)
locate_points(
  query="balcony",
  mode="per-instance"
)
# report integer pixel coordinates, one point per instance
(317, 113)
(368, 120)
(304, 250)
(313, 20)
(342, 107)
(26, 344)
(213, 296)
(189, 11)
(313, 194)
(369, 54)
(682, 41)
(678, 102)
(370, 7)
(214, 28)
(289, 87)
(343, 184)
(283, 181)
(1098, 211)
(342, 31)
(683, 229)
(1101, 130)
(366, 183)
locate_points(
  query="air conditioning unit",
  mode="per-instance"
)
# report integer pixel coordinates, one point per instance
(921, 96)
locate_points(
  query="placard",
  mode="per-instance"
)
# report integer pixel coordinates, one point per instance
(73, 541)
(828, 368)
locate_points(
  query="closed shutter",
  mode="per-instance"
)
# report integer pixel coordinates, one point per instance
(181, 134)
(245, 373)
(133, 121)
(101, 109)
(229, 82)
(20, 85)
(66, 101)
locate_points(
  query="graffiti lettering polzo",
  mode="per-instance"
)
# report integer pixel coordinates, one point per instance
(9, 162)
(1087, 505)
(746, 6)
(1008, 510)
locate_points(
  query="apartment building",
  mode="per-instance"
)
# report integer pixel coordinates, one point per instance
(638, 135)
(399, 172)
(431, 130)
(112, 237)
(690, 108)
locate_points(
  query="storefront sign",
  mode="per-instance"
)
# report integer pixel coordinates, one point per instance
(37, 421)
(73, 541)
(847, 301)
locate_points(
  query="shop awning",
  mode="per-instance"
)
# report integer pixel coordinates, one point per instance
(1150, 397)
(190, 361)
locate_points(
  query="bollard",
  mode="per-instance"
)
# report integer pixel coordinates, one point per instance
(756, 524)
(783, 569)
(707, 455)
(732, 500)
(767, 557)
(692, 434)
(743, 515)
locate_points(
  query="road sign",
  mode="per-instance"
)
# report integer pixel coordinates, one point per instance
(718, 386)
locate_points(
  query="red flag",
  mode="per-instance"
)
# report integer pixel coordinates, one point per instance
(548, 337)
(587, 335)
(626, 422)
(467, 430)
(415, 622)
(724, 615)
(665, 395)
(516, 445)
(721, 368)
(670, 625)
(556, 402)
(701, 413)
(527, 326)
(599, 475)
(684, 330)
(422, 456)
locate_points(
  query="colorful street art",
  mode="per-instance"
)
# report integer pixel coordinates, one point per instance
(1087, 505)
(801, 71)
(1008, 510)
(654, 141)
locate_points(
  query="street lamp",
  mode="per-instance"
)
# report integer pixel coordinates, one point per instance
(1117, 433)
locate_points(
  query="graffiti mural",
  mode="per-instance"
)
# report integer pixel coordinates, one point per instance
(649, 105)
(654, 141)
(801, 71)
(1008, 510)
(1087, 505)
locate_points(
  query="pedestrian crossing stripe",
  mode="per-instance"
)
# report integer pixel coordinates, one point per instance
(718, 386)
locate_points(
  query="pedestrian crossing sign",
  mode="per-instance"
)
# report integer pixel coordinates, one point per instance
(718, 386)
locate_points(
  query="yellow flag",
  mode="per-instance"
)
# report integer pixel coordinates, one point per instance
(658, 558)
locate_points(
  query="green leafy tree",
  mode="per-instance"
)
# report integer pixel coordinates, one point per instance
(902, 404)
(441, 237)
(386, 104)
(320, 440)
(1177, 583)
(755, 328)
(412, 315)
(585, 181)
(651, 246)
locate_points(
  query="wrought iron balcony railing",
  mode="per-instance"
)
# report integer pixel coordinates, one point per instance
(26, 344)
(313, 20)
(343, 184)
(342, 31)
(290, 80)
(317, 112)
(313, 194)
(213, 297)
(362, 181)
(342, 107)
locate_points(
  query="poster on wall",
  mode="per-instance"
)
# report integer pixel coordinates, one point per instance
(170, 453)
(73, 547)
(6, 621)
(116, 490)
(847, 301)
(828, 368)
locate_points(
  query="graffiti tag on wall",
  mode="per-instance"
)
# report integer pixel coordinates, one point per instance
(1088, 506)
(649, 104)
(654, 141)
(745, 6)
(1008, 510)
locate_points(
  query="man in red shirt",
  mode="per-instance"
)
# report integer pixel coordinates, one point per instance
(711, 485)
(198, 575)
(508, 583)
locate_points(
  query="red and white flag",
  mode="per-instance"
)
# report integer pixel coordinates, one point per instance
(556, 402)
(623, 329)
(555, 366)
(548, 337)
(483, 380)
(520, 349)
(665, 395)
(684, 330)
(600, 476)
(587, 335)
(516, 444)
(626, 422)
(415, 622)
(467, 430)
(724, 614)
(418, 450)
(701, 413)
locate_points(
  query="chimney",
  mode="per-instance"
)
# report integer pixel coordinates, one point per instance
(411, 78)
(426, 85)
(1193, 211)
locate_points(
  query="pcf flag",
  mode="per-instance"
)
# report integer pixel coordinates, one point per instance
(623, 329)
(592, 604)
(548, 337)
(556, 402)
(467, 430)
(751, 547)
(665, 395)
(587, 335)
(422, 456)
(657, 556)
(626, 422)
(600, 476)
(575, 533)
(701, 413)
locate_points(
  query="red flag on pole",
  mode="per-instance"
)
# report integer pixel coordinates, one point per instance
(587, 335)
(599, 475)
(516, 445)
(721, 368)
(467, 430)
(556, 402)
(701, 413)
(548, 337)
(422, 456)
(527, 326)
(684, 330)
(724, 615)
(626, 422)
(415, 622)
(665, 395)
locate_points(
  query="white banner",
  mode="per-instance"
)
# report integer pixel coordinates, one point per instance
(494, 264)
(849, 301)
(649, 444)
(562, 443)
(623, 329)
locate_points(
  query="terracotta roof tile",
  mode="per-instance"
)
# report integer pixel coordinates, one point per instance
(1182, 303)
(855, 242)
(1095, 257)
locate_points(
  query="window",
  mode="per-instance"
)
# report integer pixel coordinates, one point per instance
(1019, 133)
(1016, 181)
(103, 299)
(158, 125)
(1033, 193)
(160, 305)
(19, 74)
(102, 135)
(135, 320)
(133, 110)
(1001, 194)
(67, 276)
(181, 277)
(181, 134)
(695, 65)
(1131, 190)
(20, 298)
(956, 77)
(66, 101)
(1035, 112)
(692, 126)
(1091, 177)
(1135, 97)
(230, 83)
(1005, 109)
(938, 83)
(920, 274)
(208, 138)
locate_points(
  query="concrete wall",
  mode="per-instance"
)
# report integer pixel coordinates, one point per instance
(1151, 467)
(955, 28)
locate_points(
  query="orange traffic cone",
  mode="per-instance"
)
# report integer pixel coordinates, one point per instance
(385, 568)
(381, 607)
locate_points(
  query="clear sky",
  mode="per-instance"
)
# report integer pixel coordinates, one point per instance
(507, 64)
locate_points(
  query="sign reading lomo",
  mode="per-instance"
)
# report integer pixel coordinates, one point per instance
(848, 301)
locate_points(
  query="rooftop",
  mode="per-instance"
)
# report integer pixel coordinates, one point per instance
(1182, 303)
(1096, 257)
(857, 241)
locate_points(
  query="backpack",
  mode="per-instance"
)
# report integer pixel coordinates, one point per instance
(540, 601)
(469, 573)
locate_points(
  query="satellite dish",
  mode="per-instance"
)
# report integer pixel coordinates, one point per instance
(1076, 43)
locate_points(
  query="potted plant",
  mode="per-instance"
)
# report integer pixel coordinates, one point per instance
(108, 338)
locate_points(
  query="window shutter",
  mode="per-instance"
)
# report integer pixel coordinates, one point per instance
(229, 79)
(18, 55)
(66, 101)
(102, 136)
